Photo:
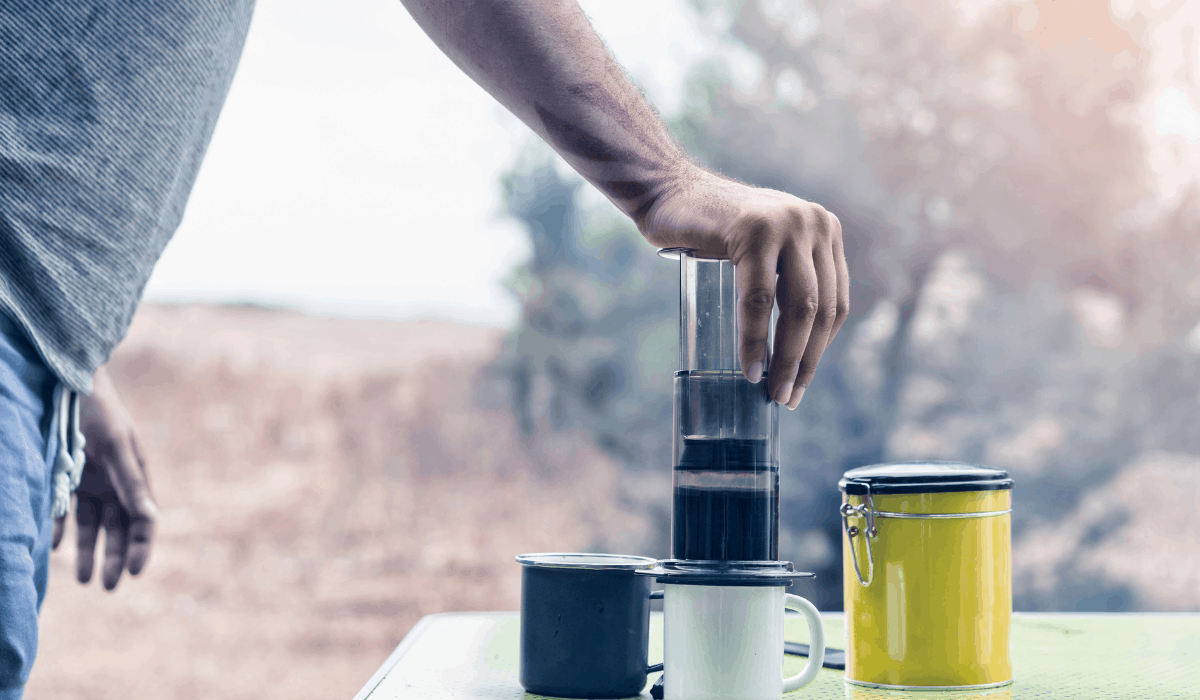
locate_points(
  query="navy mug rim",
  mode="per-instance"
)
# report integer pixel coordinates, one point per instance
(578, 560)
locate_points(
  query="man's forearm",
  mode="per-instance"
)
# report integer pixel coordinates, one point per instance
(544, 62)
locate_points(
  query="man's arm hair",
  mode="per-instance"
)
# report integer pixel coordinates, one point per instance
(543, 61)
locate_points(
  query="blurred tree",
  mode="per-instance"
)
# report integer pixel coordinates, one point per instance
(1020, 298)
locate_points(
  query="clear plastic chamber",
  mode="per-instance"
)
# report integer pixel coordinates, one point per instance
(726, 451)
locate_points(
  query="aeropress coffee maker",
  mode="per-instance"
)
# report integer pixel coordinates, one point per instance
(724, 596)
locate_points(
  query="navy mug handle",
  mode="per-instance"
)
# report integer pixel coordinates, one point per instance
(655, 595)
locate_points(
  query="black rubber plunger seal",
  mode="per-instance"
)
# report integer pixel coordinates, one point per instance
(835, 659)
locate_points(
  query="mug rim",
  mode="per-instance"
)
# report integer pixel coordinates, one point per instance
(585, 560)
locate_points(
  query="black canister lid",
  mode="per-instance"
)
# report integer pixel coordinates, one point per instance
(923, 477)
(696, 572)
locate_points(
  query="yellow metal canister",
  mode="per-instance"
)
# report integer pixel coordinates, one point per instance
(927, 574)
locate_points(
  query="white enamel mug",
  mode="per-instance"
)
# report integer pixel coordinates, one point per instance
(723, 642)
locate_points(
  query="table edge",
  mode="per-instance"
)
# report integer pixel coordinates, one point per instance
(409, 640)
(426, 621)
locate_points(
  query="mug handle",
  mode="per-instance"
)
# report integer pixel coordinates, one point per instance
(655, 595)
(816, 643)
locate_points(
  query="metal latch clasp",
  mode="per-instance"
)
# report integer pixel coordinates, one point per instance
(866, 510)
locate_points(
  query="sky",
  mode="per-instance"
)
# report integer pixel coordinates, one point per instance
(355, 170)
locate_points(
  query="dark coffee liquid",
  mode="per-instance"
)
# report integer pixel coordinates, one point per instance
(726, 501)
(726, 524)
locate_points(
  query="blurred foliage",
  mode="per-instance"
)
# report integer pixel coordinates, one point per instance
(1021, 296)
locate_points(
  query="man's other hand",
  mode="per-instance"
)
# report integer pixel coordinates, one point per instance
(765, 233)
(113, 493)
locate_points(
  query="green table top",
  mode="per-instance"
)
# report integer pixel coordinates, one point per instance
(473, 656)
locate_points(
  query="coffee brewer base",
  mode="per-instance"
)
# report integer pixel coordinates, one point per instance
(723, 629)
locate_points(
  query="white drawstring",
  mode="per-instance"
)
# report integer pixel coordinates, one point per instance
(68, 463)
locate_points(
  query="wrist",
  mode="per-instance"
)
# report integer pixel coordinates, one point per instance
(693, 209)
(639, 199)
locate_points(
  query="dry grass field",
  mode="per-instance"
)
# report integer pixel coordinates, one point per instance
(323, 484)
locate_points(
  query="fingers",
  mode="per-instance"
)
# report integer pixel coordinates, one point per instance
(843, 277)
(142, 514)
(824, 320)
(87, 526)
(127, 473)
(125, 469)
(799, 298)
(112, 443)
(814, 300)
(115, 491)
(59, 526)
(114, 544)
(140, 536)
(756, 298)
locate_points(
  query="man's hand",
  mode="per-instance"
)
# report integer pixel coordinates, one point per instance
(113, 492)
(765, 233)
(543, 61)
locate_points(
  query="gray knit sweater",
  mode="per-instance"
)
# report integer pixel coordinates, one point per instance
(106, 109)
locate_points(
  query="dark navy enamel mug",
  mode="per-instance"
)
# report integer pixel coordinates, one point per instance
(585, 625)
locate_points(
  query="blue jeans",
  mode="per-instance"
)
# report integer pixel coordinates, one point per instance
(28, 442)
